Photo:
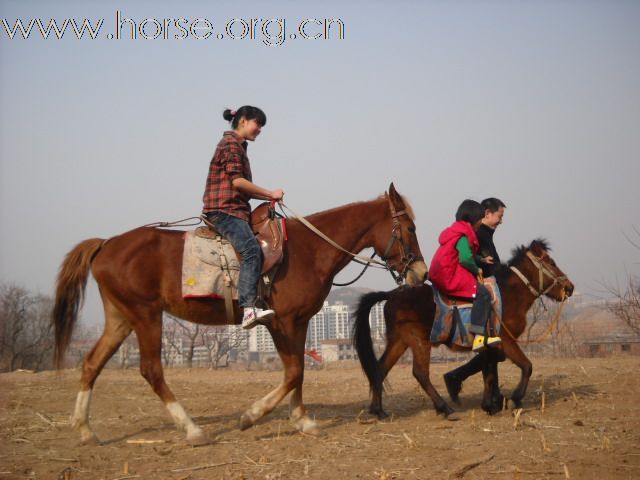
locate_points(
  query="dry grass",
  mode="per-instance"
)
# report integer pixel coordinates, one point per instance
(581, 420)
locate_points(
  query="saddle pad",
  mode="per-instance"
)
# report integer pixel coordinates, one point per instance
(453, 318)
(202, 267)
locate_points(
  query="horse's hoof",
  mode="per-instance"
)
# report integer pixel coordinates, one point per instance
(90, 440)
(381, 414)
(197, 438)
(492, 409)
(245, 422)
(453, 387)
(499, 401)
(313, 429)
(453, 416)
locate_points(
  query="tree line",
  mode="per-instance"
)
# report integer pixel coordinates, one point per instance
(26, 335)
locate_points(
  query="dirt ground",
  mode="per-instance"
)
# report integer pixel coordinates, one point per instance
(589, 428)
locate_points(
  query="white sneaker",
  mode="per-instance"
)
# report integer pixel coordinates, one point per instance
(253, 316)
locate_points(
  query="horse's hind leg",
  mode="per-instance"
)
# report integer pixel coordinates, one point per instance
(421, 348)
(149, 332)
(394, 350)
(116, 329)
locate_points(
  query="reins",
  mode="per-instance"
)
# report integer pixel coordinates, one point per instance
(357, 258)
(361, 259)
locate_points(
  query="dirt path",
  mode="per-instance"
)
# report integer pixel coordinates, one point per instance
(590, 427)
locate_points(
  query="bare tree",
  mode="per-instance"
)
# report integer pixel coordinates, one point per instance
(625, 301)
(25, 332)
(220, 341)
(182, 338)
(127, 350)
(170, 341)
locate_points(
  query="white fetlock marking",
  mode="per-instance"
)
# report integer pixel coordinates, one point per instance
(80, 415)
(183, 420)
(305, 424)
(80, 418)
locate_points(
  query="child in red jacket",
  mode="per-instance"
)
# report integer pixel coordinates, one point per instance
(454, 270)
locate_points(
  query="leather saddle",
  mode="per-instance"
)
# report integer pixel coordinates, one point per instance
(270, 232)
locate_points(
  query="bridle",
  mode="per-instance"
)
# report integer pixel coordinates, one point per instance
(542, 272)
(407, 257)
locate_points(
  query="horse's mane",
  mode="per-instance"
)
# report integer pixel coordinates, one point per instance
(517, 255)
(407, 206)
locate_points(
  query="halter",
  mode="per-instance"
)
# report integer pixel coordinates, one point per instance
(542, 271)
(407, 257)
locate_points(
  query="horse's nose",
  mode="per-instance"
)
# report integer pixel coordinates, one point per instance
(568, 289)
(421, 270)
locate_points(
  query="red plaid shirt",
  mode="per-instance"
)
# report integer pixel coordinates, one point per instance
(229, 162)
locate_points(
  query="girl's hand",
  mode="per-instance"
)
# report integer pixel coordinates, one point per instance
(276, 195)
(488, 260)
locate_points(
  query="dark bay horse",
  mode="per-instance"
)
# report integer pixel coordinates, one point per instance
(139, 277)
(409, 315)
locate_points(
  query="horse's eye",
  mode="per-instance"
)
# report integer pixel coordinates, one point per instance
(412, 229)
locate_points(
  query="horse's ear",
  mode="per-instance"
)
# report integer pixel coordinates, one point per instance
(394, 195)
(538, 247)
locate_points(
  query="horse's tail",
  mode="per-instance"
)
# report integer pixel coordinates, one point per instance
(70, 286)
(362, 337)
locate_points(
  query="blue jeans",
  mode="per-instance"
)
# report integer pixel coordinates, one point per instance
(481, 310)
(239, 233)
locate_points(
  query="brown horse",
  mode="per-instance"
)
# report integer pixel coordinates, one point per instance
(139, 277)
(409, 315)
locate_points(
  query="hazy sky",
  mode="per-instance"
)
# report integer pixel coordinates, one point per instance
(537, 103)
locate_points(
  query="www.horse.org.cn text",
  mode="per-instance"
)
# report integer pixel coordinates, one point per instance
(269, 32)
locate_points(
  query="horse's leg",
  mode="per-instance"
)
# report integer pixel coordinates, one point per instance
(490, 404)
(297, 411)
(149, 332)
(116, 329)
(421, 348)
(394, 350)
(290, 346)
(496, 395)
(516, 355)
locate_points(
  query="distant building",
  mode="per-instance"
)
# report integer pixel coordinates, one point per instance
(336, 322)
(611, 345)
(337, 349)
(260, 340)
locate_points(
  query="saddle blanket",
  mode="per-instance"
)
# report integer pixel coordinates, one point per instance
(207, 265)
(453, 317)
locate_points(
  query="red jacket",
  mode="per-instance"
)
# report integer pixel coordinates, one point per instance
(446, 273)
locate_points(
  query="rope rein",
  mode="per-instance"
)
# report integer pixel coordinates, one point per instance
(363, 260)
(178, 223)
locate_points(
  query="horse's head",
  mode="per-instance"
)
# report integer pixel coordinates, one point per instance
(396, 241)
(539, 271)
